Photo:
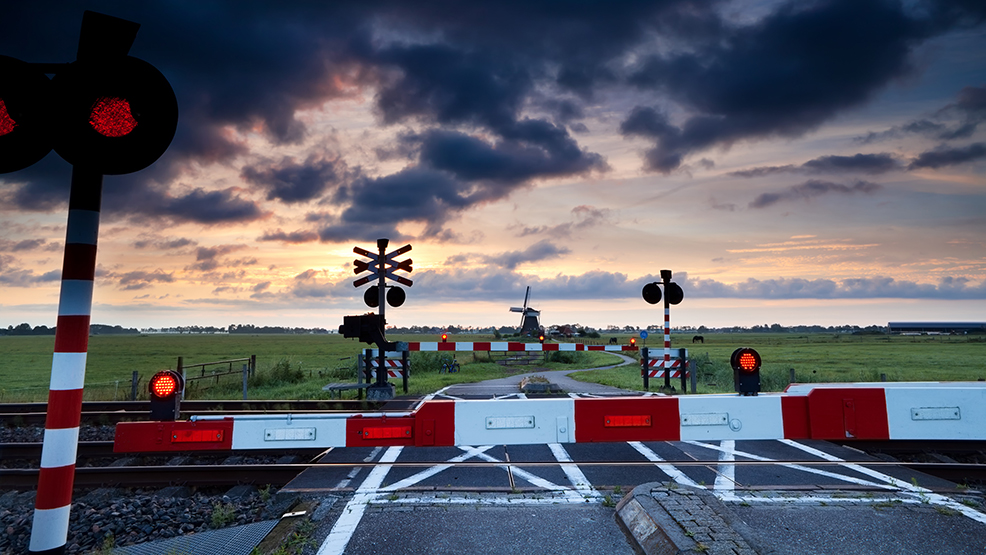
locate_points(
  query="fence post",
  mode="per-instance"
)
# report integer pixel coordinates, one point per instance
(253, 365)
(181, 371)
(133, 386)
(693, 369)
(792, 376)
(683, 362)
(245, 374)
(646, 367)
(406, 367)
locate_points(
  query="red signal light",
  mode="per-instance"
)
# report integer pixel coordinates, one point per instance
(164, 384)
(444, 337)
(111, 117)
(633, 341)
(747, 362)
(7, 123)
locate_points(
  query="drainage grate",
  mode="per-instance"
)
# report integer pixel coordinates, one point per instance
(238, 540)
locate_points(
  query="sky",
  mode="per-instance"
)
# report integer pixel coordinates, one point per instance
(803, 162)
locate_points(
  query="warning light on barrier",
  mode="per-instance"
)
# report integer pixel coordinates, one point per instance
(746, 370)
(444, 337)
(165, 388)
(633, 341)
(541, 338)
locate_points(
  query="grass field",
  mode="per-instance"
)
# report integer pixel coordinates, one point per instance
(288, 366)
(297, 366)
(818, 358)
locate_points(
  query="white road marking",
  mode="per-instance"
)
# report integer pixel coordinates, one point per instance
(725, 472)
(533, 479)
(923, 495)
(669, 469)
(355, 471)
(802, 468)
(425, 474)
(574, 473)
(343, 529)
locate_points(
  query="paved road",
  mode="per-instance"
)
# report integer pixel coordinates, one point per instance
(556, 498)
(505, 506)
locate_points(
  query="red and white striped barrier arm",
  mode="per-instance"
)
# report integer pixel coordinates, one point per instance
(866, 412)
(392, 372)
(505, 346)
(49, 531)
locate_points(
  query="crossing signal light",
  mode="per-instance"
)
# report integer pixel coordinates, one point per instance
(165, 388)
(115, 115)
(444, 337)
(746, 371)
(25, 110)
(541, 338)
(633, 341)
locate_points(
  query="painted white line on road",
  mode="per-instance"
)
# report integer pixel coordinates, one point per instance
(345, 526)
(725, 472)
(574, 473)
(802, 468)
(669, 469)
(355, 471)
(535, 499)
(425, 474)
(533, 479)
(924, 495)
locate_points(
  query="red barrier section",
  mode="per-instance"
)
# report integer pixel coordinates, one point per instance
(182, 435)
(371, 432)
(795, 413)
(848, 414)
(434, 424)
(446, 346)
(636, 419)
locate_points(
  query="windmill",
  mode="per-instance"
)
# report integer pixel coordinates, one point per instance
(529, 317)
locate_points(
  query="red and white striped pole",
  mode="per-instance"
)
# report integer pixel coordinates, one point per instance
(49, 531)
(666, 278)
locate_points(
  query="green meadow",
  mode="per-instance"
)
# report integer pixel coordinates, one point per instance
(297, 366)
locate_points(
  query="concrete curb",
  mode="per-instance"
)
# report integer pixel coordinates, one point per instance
(663, 518)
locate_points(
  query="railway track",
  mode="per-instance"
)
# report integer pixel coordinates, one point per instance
(111, 412)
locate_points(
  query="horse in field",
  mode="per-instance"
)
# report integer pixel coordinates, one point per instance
(698, 339)
(613, 341)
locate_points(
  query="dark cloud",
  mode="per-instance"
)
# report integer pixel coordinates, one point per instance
(943, 156)
(857, 288)
(290, 181)
(542, 250)
(781, 76)
(24, 245)
(857, 163)
(957, 120)
(811, 189)
(164, 244)
(299, 236)
(131, 281)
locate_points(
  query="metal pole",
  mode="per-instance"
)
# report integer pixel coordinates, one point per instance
(646, 367)
(666, 278)
(133, 386)
(382, 296)
(692, 369)
(49, 531)
(245, 374)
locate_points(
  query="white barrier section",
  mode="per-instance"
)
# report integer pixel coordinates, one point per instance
(515, 422)
(288, 432)
(714, 417)
(936, 413)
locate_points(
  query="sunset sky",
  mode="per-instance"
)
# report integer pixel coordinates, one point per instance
(791, 162)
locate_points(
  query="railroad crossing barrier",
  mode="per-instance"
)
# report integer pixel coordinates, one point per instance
(502, 346)
(864, 411)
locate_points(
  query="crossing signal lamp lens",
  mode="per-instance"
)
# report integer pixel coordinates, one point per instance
(164, 384)
(444, 337)
(7, 123)
(111, 117)
(633, 341)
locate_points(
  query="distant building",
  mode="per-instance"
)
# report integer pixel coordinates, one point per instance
(936, 327)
